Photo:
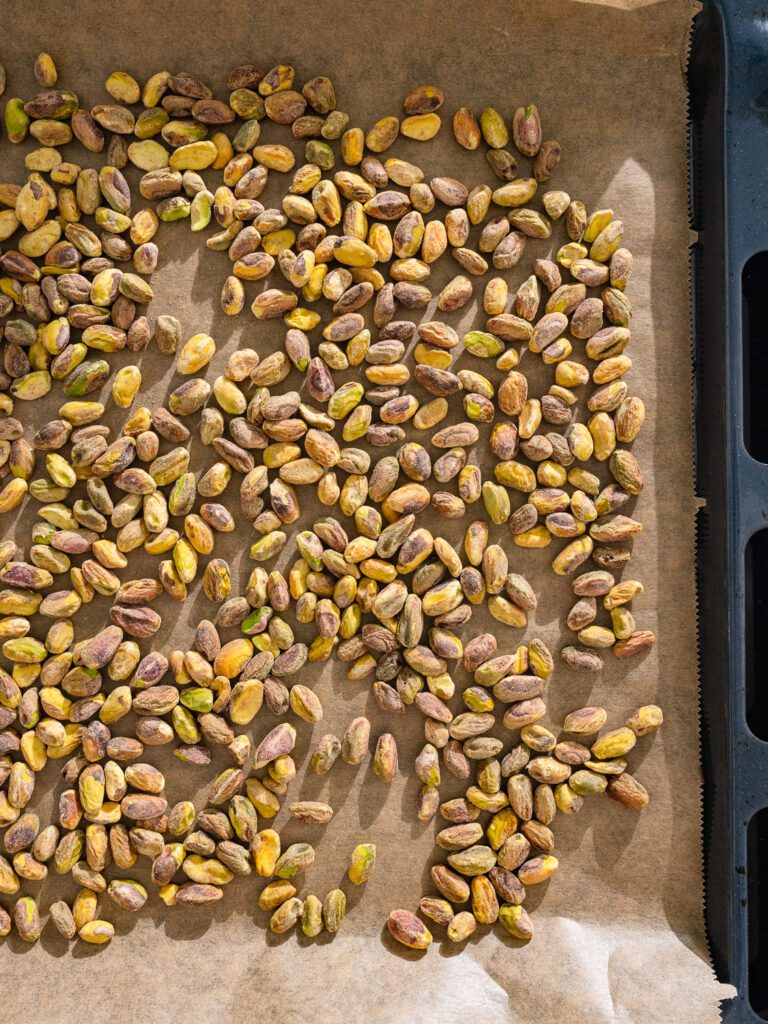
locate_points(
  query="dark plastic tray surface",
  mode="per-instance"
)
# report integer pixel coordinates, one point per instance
(728, 77)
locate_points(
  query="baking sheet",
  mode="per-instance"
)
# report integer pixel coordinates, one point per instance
(619, 931)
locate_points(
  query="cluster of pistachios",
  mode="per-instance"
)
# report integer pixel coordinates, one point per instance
(520, 788)
(342, 259)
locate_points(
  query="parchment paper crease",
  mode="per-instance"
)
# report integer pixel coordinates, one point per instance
(619, 931)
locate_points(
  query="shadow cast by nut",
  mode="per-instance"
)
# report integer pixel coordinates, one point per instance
(638, 754)
(510, 941)
(122, 920)
(611, 828)
(408, 804)
(614, 832)
(54, 943)
(535, 896)
(354, 893)
(184, 925)
(372, 797)
(325, 938)
(87, 950)
(16, 945)
(336, 787)
(274, 939)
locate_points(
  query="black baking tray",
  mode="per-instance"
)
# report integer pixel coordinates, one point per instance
(728, 79)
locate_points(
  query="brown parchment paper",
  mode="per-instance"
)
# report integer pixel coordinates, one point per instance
(619, 931)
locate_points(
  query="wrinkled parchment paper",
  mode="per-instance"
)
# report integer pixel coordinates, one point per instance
(619, 931)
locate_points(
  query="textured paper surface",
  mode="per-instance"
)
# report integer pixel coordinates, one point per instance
(619, 931)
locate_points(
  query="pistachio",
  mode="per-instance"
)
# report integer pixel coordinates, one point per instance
(408, 930)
